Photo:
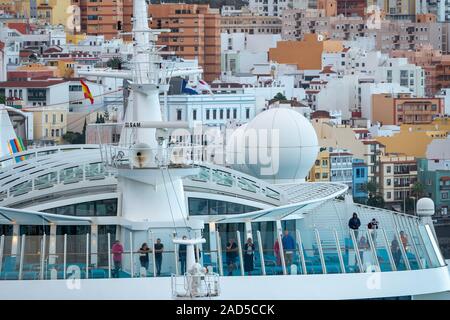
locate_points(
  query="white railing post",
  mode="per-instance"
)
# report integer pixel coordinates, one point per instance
(339, 251)
(319, 246)
(373, 249)
(87, 255)
(300, 251)
(261, 253)
(131, 255)
(109, 255)
(2, 248)
(152, 239)
(241, 260)
(356, 249)
(402, 249)
(43, 244)
(219, 252)
(388, 249)
(65, 256)
(283, 262)
(22, 251)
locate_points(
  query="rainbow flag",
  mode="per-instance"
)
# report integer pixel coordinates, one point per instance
(87, 92)
(16, 146)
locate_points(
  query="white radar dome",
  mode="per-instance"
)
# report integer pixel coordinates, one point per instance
(279, 145)
(425, 207)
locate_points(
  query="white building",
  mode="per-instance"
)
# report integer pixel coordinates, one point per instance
(368, 89)
(445, 94)
(211, 110)
(52, 93)
(398, 70)
(269, 7)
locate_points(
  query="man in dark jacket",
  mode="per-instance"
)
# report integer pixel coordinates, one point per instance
(354, 223)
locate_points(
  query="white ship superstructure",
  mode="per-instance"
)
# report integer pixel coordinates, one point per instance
(62, 207)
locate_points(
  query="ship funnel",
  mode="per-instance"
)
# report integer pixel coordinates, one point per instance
(141, 155)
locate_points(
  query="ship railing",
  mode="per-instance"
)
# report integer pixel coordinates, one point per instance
(195, 286)
(135, 156)
(18, 158)
(53, 176)
(314, 251)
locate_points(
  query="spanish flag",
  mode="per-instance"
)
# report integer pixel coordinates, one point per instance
(87, 92)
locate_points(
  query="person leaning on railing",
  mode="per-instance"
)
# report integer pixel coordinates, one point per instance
(354, 223)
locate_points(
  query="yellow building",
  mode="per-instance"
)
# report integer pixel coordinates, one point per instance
(55, 11)
(413, 140)
(321, 170)
(75, 38)
(49, 124)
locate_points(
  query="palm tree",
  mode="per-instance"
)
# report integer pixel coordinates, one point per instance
(115, 63)
(418, 190)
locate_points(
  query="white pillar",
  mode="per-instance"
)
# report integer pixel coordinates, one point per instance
(15, 240)
(94, 244)
(52, 245)
(213, 241)
(248, 231)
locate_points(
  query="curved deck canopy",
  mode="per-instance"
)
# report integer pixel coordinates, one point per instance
(27, 217)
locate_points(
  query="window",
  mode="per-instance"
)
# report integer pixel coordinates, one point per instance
(179, 114)
(444, 195)
(388, 182)
(46, 118)
(388, 169)
(228, 113)
(194, 114)
(207, 114)
(247, 113)
(317, 175)
(234, 113)
(388, 195)
(221, 114)
(214, 114)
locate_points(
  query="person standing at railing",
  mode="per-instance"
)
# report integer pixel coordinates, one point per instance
(231, 250)
(159, 248)
(182, 255)
(249, 249)
(117, 251)
(276, 251)
(396, 253)
(372, 226)
(143, 255)
(288, 247)
(354, 223)
(404, 240)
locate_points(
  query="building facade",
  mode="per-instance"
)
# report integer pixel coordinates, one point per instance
(398, 174)
(402, 109)
(195, 34)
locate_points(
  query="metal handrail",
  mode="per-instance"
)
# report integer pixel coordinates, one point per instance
(301, 253)
(338, 247)
(388, 249)
(319, 246)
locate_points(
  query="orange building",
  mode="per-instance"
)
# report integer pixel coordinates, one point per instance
(306, 54)
(402, 109)
(329, 6)
(195, 33)
(107, 18)
(435, 64)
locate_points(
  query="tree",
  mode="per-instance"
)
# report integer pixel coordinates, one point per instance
(418, 190)
(371, 188)
(375, 201)
(115, 63)
(2, 100)
(280, 97)
(73, 137)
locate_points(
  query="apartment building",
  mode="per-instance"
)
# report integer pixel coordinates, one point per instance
(398, 174)
(435, 65)
(341, 167)
(388, 35)
(320, 172)
(390, 109)
(250, 23)
(195, 34)
(269, 7)
(351, 8)
(108, 18)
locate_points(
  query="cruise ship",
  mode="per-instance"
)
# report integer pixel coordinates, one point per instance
(63, 208)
